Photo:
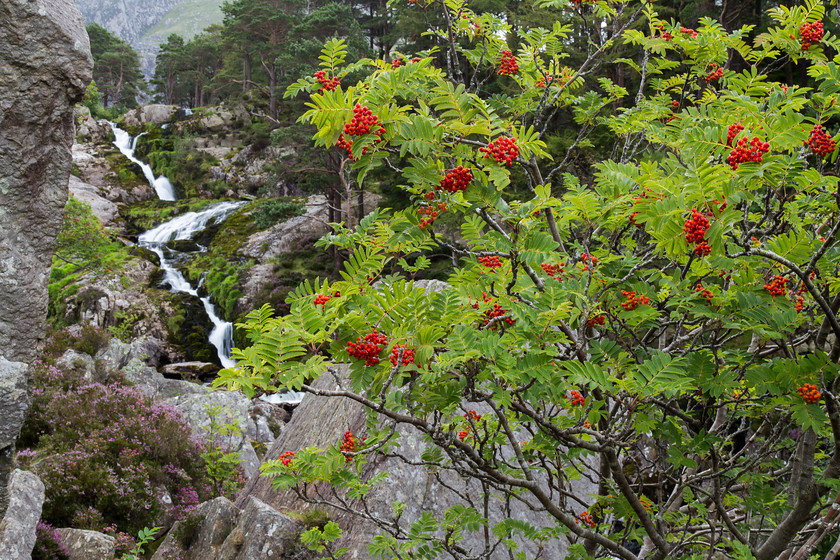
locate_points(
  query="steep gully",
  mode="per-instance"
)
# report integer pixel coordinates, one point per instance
(183, 227)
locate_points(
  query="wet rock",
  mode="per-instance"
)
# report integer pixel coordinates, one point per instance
(45, 65)
(191, 371)
(183, 245)
(88, 545)
(200, 535)
(17, 529)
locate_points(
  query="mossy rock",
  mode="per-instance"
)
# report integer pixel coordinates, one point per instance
(190, 327)
(183, 245)
(143, 253)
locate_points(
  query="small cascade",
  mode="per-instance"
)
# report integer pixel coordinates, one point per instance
(185, 227)
(126, 146)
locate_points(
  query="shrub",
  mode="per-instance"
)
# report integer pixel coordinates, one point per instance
(273, 212)
(49, 544)
(110, 456)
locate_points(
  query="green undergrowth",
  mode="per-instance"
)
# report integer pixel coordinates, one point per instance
(175, 158)
(127, 173)
(66, 278)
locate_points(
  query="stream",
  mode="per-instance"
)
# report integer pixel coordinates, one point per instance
(183, 227)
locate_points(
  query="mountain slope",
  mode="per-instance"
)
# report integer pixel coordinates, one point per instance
(145, 24)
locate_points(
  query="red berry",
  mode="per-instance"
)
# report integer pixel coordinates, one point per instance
(509, 65)
(820, 142)
(503, 150)
(809, 393)
(811, 33)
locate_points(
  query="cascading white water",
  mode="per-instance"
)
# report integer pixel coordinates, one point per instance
(126, 146)
(184, 227)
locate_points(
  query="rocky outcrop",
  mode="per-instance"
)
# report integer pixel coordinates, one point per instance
(88, 545)
(200, 535)
(17, 529)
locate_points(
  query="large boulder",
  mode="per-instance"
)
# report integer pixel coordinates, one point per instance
(88, 545)
(200, 535)
(150, 114)
(17, 529)
(45, 65)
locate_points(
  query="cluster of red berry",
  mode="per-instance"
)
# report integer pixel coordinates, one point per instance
(503, 150)
(646, 503)
(322, 299)
(575, 398)
(820, 142)
(361, 123)
(675, 104)
(470, 416)
(509, 65)
(348, 445)
(397, 62)
(490, 262)
(457, 179)
(407, 357)
(665, 35)
(599, 319)
(695, 232)
(633, 300)
(688, 30)
(369, 348)
(541, 82)
(732, 132)
(586, 517)
(713, 73)
(431, 211)
(555, 270)
(800, 302)
(286, 458)
(809, 393)
(588, 260)
(496, 311)
(811, 33)
(747, 151)
(326, 83)
(705, 293)
(777, 286)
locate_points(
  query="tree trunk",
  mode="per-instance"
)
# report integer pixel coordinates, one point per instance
(246, 72)
(272, 76)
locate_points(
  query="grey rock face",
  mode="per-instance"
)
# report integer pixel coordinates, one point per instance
(150, 114)
(17, 529)
(45, 65)
(200, 535)
(88, 545)
(72, 360)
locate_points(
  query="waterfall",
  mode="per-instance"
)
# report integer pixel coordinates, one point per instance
(185, 227)
(127, 145)
(182, 227)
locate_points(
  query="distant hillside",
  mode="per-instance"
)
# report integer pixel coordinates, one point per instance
(147, 23)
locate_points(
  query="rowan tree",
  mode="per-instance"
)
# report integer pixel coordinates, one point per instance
(667, 327)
